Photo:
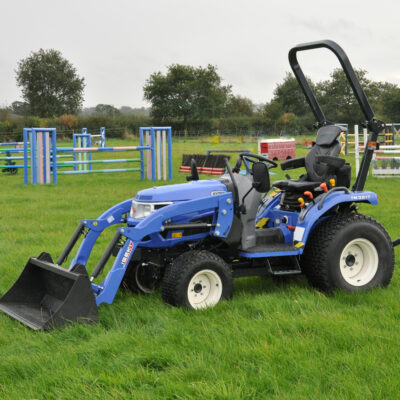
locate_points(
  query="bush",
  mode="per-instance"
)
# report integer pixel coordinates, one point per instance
(124, 125)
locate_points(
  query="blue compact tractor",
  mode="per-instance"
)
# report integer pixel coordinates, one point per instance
(193, 239)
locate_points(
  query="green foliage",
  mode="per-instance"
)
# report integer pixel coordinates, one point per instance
(107, 109)
(20, 108)
(244, 125)
(50, 84)
(11, 126)
(69, 121)
(336, 99)
(115, 127)
(186, 93)
(272, 112)
(391, 104)
(287, 123)
(290, 96)
(238, 106)
(195, 100)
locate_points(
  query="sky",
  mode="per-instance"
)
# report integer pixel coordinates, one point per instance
(116, 45)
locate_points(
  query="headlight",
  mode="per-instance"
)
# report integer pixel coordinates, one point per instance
(142, 210)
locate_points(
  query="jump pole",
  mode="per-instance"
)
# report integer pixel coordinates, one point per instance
(33, 157)
(81, 140)
(158, 144)
(164, 152)
(102, 137)
(169, 135)
(356, 149)
(74, 144)
(163, 135)
(40, 147)
(25, 133)
(141, 154)
(153, 155)
(11, 143)
(47, 157)
(39, 141)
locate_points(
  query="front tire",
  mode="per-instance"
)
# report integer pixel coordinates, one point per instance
(348, 251)
(197, 279)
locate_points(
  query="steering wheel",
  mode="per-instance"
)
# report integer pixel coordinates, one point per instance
(253, 158)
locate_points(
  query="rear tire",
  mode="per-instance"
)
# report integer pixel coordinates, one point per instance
(348, 251)
(197, 279)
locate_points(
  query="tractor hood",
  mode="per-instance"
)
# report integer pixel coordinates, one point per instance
(182, 192)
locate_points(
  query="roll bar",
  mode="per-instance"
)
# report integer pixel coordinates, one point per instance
(374, 125)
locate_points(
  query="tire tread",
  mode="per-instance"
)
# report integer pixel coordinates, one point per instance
(176, 273)
(315, 255)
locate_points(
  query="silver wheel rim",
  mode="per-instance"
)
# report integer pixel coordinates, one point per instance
(204, 289)
(359, 262)
(144, 289)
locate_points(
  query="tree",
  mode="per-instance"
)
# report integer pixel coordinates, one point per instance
(287, 123)
(238, 106)
(271, 112)
(69, 121)
(391, 104)
(107, 109)
(19, 108)
(336, 99)
(339, 103)
(288, 98)
(186, 93)
(50, 84)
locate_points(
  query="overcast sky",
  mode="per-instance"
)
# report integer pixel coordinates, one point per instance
(115, 45)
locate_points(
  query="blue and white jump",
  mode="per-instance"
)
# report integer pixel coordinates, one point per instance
(40, 147)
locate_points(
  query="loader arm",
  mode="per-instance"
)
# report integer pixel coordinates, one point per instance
(113, 216)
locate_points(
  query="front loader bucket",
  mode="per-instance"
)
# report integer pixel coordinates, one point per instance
(46, 296)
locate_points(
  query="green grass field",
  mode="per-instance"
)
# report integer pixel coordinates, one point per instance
(275, 339)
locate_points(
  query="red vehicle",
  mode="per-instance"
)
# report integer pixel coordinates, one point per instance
(277, 149)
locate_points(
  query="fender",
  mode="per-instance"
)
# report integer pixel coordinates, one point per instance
(311, 214)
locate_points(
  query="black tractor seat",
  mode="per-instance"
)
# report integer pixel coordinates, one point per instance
(322, 164)
(296, 185)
